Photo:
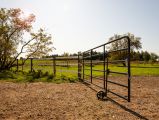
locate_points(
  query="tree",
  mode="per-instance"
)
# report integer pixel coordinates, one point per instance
(146, 56)
(134, 42)
(154, 57)
(65, 54)
(13, 26)
(121, 44)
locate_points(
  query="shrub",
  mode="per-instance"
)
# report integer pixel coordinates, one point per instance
(45, 74)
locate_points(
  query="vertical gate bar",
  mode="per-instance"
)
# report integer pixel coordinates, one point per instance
(79, 68)
(104, 65)
(129, 73)
(91, 65)
(107, 75)
(54, 65)
(83, 65)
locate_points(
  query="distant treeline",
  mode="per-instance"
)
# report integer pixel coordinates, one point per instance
(144, 56)
(135, 56)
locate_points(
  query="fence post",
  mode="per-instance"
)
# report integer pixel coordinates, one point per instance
(91, 64)
(104, 65)
(83, 65)
(129, 73)
(31, 65)
(17, 65)
(22, 64)
(79, 68)
(54, 66)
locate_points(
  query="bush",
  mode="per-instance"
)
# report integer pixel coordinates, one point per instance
(71, 80)
(7, 75)
(30, 79)
(49, 78)
(45, 74)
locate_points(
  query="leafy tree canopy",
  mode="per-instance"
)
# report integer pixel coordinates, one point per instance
(135, 42)
(13, 26)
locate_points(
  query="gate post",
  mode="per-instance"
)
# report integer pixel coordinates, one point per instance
(54, 66)
(79, 67)
(31, 64)
(129, 73)
(17, 66)
(22, 64)
(91, 64)
(83, 64)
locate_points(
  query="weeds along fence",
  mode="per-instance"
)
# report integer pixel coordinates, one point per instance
(58, 66)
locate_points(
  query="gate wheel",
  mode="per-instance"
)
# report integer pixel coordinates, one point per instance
(100, 95)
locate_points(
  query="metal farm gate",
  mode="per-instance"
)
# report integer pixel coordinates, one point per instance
(96, 66)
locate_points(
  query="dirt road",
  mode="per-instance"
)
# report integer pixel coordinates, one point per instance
(76, 101)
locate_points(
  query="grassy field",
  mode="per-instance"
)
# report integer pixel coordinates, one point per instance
(67, 70)
(137, 69)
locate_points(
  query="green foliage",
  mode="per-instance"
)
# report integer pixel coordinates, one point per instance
(50, 78)
(34, 76)
(46, 73)
(135, 44)
(144, 56)
(7, 75)
(154, 57)
(12, 29)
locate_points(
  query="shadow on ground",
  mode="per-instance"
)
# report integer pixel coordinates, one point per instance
(118, 104)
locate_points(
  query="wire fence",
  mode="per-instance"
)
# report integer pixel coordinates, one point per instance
(58, 66)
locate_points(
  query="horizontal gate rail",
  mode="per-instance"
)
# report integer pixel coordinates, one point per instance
(117, 83)
(96, 55)
(118, 50)
(122, 73)
(117, 61)
(107, 43)
(114, 61)
(98, 70)
(99, 78)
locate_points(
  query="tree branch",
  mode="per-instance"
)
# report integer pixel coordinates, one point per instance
(31, 54)
(8, 37)
(21, 51)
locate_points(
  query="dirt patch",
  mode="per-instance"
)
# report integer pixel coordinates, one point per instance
(76, 101)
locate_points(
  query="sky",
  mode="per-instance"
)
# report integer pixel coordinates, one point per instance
(79, 25)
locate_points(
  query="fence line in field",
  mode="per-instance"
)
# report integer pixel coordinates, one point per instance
(53, 65)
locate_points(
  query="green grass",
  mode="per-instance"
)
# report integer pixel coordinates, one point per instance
(145, 69)
(37, 76)
(65, 74)
(136, 69)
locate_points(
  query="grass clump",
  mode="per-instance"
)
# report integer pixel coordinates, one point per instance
(34, 76)
(7, 75)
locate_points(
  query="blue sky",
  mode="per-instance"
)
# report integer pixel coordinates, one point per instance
(78, 25)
